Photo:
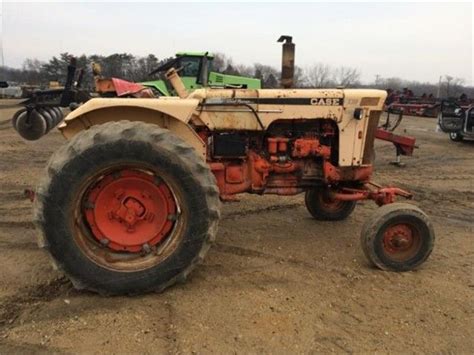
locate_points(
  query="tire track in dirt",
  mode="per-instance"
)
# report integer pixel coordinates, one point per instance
(171, 333)
(4, 124)
(31, 245)
(13, 306)
(313, 265)
(10, 196)
(267, 209)
(17, 224)
(10, 347)
(4, 210)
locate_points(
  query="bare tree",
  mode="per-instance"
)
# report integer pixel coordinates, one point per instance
(448, 81)
(267, 74)
(346, 76)
(299, 79)
(270, 82)
(221, 62)
(130, 67)
(245, 70)
(318, 75)
(453, 86)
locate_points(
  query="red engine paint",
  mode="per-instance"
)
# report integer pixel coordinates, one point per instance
(304, 147)
(282, 171)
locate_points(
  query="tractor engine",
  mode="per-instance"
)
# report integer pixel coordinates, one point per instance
(290, 157)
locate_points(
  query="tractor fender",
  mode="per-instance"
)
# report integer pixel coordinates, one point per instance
(171, 113)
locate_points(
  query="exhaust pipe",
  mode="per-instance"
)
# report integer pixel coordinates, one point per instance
(287, 61)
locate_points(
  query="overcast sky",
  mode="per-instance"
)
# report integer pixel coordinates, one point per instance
(411, 41)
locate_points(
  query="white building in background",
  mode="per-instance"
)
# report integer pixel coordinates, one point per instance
(11, 92)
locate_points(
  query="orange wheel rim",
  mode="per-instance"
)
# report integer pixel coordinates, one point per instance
(401, 241)
(129, 210)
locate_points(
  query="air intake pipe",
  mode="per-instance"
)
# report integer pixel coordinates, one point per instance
(176, 83)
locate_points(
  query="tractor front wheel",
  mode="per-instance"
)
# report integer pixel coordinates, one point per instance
(127, 207)
(397, 237)
(322, 207)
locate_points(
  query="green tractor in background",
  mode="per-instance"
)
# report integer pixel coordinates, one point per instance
(193, 68)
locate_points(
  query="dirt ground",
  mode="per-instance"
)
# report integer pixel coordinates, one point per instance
(276, 281)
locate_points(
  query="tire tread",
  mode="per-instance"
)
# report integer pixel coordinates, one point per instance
(145, 132)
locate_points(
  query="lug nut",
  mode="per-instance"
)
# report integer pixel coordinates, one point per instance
(104, 242)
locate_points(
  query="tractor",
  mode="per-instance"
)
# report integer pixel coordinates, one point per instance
(191, 68)
(131, 202)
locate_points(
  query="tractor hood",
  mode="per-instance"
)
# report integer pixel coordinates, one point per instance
(369, 98)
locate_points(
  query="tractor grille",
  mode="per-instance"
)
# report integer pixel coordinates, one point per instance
(372, 125)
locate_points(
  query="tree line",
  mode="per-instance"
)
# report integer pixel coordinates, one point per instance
(137, 68)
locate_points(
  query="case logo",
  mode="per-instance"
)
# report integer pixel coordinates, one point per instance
(326, 101)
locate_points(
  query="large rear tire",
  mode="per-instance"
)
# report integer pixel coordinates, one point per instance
(322, 207)
(397, 237)
(126, 208)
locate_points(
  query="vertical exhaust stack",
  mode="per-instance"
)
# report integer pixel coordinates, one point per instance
(287, 61)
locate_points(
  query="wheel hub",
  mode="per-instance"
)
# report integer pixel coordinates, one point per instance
(130, 210)
(398, 238)
(329, 203)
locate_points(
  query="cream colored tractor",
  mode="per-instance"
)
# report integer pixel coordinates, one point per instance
(131, 202)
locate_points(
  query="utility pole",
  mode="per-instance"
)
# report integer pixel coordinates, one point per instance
(377, 78)
(448, 81)
(439, 88)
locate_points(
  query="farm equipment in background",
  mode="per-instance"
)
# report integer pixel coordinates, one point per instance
(409, 104)
(115, 87)
(457, 119)
(195, 74)
(195, 71)
(42, 110)
(404, 145)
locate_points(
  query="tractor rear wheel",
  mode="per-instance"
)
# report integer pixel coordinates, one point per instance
(127, 207)
(397, 237)
(323, 207)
